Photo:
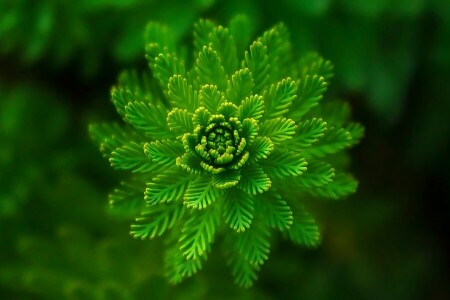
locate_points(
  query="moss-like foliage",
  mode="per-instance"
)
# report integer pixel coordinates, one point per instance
(230, 142)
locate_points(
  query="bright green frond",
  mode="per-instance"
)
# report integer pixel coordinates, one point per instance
(318, 174)
(210, 98)
(336, 113)
(254, 180)
(155, 220)
(190, 163)
(243, 271)
(163, 154)
(278, 45)
(177, 267)
(159, 34)
(181, 94)
(166, 187)
(111, 136)
(284, 163)
(343, 185)
(257, 61)
(277, 213)
(241, 28)
(356, 131)
(149, 119)
(180, 121)
(199, 232)
(240, 86)
(314, 64)
(251, 107)
(223, 42)
(308, 133)
(227, 109)
(335, 140)
(209, 69)
(127, 200)
(253, 244)
(249, 130)
(226, 179)
(304, 230)
(261, 148)
(131, 157)
(278, 98)
(310, 92)
(278, 130)
(238, 209)
(202, 29)
(200, 193)
(164, 66)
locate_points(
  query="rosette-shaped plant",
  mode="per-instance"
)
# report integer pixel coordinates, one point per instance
(226, 144)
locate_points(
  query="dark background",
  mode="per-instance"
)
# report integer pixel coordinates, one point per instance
(58, 240)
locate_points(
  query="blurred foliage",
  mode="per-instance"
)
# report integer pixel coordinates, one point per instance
(58, 241)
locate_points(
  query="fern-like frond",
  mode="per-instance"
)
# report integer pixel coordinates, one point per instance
(257, 61)
(254, 180)
(240, 86)
(155, 220)
(335, 140)
(198, 233)
(238, 209)
(261, 148)
(180, 120)
(284, 163)
(343, 185)
(166, 187)
(253, 244)
(209, 69)
(304, 230)
(251, 107)
(276, 211)
(127, 199)
(181, 94)
(149, 119)
(278, 130)
(223, 42)
(163, 153)
(278, 99)
(308, 132)
(310, 92)
(131, 157)
(200, 193)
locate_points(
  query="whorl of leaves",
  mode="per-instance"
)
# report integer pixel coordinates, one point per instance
(227, 142)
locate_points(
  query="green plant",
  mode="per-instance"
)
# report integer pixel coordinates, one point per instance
(218, 143)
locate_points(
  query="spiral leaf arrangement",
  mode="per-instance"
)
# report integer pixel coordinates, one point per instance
(226, 144)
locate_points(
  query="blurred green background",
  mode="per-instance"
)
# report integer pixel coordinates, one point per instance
(58, 240)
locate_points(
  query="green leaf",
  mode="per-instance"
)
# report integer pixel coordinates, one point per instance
(278, 99)
(222, 42)
(318, 174)
(228, 110)
(111, 136)
(310, 92)
(283, 163)
(336, 113)
(278, 130)
(202, 29)
(149, 119)
(258, 63)
(356, 130)
(210, 98)
(241, 28)
(198, 233)
(131, 157)
(209, 69)
(200, 193)
(181, 94)
(177, 267)
(249, 130)
(155, 220)
(334, 141)
(240, 86)
(180, 121)
(226, 179)
(238, 209)
(164, 66)
(262, 147)
(304, 230)
(128, 199)
(159, 34)
(313, 64)
(251, 107)
(243, 271)
(278, 44)
(166, 187)
(254, 180)
(308, 133)
(276, 211)
(163, 153)
(343, 185)
(253, 244)
(201, 117)
(190, 163)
